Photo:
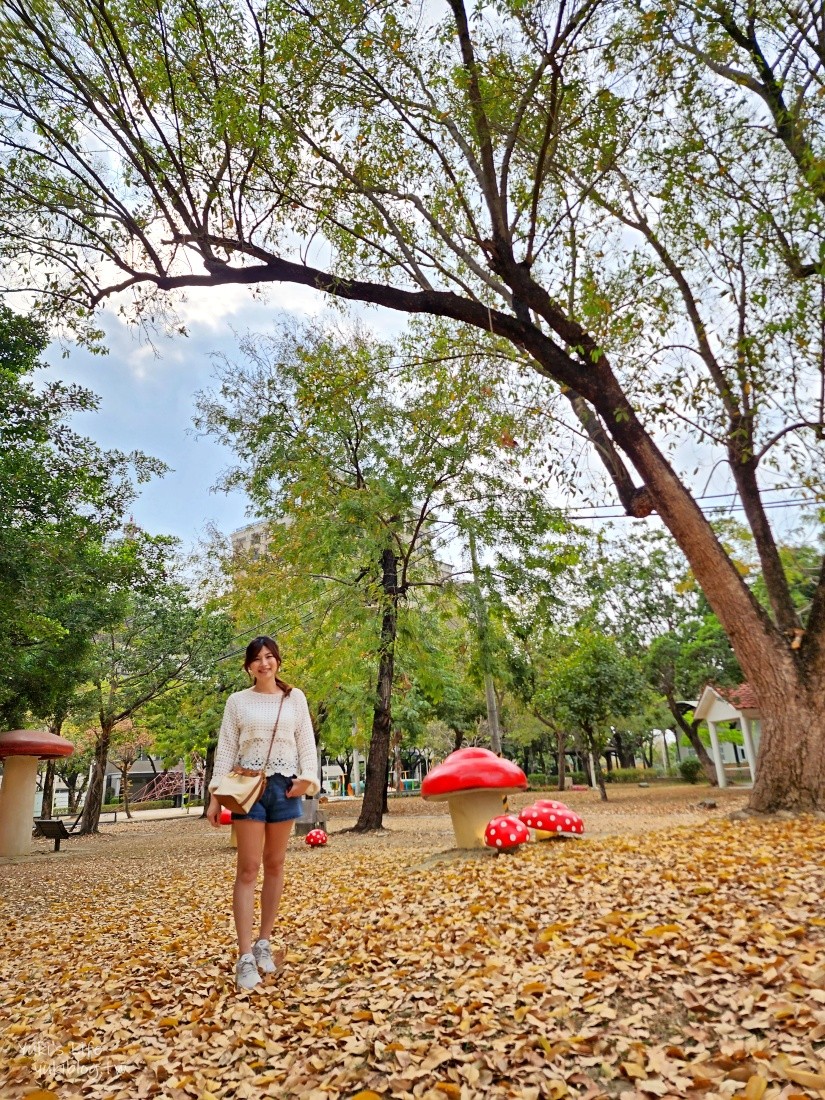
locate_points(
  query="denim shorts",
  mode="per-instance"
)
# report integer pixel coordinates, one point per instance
(273, 805)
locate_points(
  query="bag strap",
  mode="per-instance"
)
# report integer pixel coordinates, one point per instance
(272, 738)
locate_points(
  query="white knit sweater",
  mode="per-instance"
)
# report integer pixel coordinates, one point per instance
(246, 729)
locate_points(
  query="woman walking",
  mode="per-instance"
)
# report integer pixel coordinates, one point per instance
(270, 706)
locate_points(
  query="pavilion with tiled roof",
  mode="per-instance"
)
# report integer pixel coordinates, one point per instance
(729, 704)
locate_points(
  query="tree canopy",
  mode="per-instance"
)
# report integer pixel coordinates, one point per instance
(65, 560)
(627, 195)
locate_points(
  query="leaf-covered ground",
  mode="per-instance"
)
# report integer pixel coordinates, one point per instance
(686, 958)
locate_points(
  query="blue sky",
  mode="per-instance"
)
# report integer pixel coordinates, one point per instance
(147, 402)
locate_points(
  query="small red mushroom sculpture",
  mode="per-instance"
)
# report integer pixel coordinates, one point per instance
(316, 838)
(505, 832)
(472, 781)
(549, 818)
(20, 751)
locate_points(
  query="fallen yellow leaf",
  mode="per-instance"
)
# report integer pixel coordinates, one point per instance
(755, 1088)
(634, 1070)
(805, 1078)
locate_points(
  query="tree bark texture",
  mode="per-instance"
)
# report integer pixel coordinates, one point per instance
(208, 768)
(375, 786)
(48, 790)
(94, 795)
(562, 758)
(790, 770)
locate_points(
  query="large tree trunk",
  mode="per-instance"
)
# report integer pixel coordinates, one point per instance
(124, 789)
(48, 790)
(208, 768)
(94, 796)
(790, 770)
(375, 787)
(624, 753)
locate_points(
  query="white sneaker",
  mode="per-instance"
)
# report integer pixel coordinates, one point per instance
(246, 972)
(262, 951)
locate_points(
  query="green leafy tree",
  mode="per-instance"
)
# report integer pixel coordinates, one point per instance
(163, 639)
(591, 687)
(184, 721)
(575, 184)
(364, 456)
(64, 561)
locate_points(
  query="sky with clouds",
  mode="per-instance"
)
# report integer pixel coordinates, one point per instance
(147, 398)
(147, 401)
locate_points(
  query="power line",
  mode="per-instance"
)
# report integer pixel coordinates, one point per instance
(719, 509)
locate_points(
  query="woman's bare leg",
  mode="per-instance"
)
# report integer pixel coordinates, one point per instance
(275, 842)
(250, 836)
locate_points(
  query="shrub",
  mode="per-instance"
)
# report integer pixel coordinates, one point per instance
(690, 770)
(537, 779)
(628, 775)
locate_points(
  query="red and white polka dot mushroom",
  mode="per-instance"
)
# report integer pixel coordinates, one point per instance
(316, 838)
(505, 832)
(549, 818)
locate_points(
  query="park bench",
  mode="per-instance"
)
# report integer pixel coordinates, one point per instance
(52, 828)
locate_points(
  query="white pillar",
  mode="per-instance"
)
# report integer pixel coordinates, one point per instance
(356, 771)
(717, 755)
(750, 752)
(17, 805)
(592, 769)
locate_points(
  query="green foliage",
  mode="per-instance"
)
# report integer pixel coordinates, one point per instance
(690, 769)
(628, 775)
(351, 447)
(164, 639)
(65, 564)
(591, 686)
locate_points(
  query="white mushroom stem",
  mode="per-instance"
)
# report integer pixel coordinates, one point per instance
(17, 805)
(471, 811)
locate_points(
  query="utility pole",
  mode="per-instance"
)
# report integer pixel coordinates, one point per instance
(483, 625)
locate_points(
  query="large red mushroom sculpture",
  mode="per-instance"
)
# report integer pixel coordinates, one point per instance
(472, 782)
(20, 751)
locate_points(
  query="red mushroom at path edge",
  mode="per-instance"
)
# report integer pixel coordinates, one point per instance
(472, 781)
(552, 819)
(20, 751)
(506, 832)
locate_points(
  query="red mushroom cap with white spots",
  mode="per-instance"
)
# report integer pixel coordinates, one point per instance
(543, 814)
(506, 832)
(550, 804)
(316, 838)
(569, 824)
(549, 816)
